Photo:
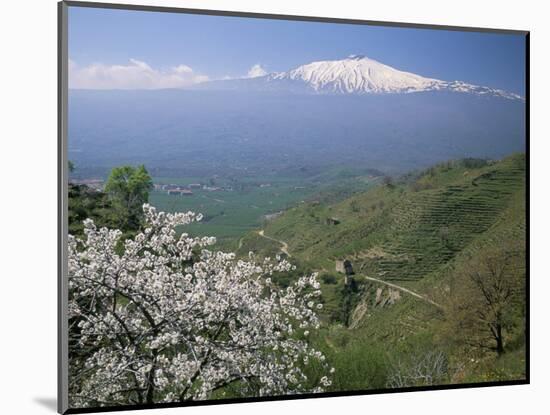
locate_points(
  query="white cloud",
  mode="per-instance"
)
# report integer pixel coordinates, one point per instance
(135, 75)
(256, 70)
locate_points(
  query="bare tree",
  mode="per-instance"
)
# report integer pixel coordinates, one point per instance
(430, 368)
(496, 285)
(485, 298)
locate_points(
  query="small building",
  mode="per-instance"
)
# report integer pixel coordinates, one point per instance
(180, 192)
(195, 186)
(170, 187)
(212, 188)
(344, 267)
(332, 221)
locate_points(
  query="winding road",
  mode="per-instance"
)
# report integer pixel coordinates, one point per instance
(403, 289)
(284, 249)
(284, 245)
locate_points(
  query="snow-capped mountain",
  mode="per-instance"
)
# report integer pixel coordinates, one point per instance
(357, 74)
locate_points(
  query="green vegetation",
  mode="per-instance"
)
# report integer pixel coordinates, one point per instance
(240, 205)
(450, 234)
(432, 252)
(128, 189)
(399, 232)
(87, 203)
(118, 207)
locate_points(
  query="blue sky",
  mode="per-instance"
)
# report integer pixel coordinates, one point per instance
(192, 47)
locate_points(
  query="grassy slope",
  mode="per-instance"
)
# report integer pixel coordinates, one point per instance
(413, 235)
(400, 234)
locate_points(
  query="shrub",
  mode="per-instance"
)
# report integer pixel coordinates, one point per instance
(329, 279)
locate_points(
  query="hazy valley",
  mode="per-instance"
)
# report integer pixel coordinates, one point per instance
(398, 190)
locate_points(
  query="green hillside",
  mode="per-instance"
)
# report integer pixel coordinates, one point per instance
(401, 231)
(437, 295)
(426, 233)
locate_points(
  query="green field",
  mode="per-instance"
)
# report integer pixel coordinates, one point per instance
(241, 205)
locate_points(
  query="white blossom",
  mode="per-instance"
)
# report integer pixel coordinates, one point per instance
(165, 319)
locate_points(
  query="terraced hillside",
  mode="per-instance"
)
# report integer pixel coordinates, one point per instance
(430, 227)
(405, 231)
(411, 243)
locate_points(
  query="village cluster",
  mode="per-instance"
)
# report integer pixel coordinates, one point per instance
(187, 190)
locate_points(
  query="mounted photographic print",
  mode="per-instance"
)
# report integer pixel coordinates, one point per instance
(258, 207)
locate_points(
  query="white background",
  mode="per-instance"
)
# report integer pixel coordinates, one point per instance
(28, 85)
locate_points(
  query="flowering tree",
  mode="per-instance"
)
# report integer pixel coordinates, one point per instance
(165, 319)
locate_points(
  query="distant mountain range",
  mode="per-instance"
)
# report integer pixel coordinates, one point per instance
(356, 74)
(354, 112)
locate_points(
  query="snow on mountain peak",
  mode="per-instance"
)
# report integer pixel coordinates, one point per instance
(359, 74)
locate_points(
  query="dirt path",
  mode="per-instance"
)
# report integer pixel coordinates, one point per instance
(403, 289)
(284, 249)
(284, 245)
